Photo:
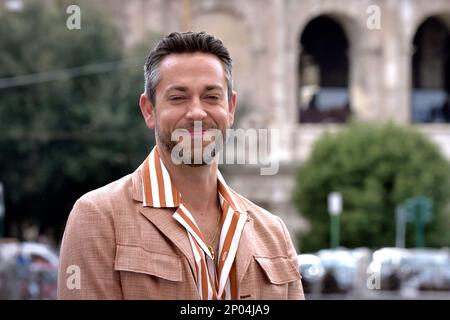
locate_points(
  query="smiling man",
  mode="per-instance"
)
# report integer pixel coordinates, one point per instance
(176, 230)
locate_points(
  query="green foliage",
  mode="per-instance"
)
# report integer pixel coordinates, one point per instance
(62, 138)
(375, 168)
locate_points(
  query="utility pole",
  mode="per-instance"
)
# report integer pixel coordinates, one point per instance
(334, 209)
(400, 226)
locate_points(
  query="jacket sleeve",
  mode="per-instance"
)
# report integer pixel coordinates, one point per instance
(295, 287)
(86, 266)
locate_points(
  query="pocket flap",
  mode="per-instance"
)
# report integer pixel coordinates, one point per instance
(136, 259)
(279, 270)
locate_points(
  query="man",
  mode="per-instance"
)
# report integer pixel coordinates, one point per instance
(176, 230)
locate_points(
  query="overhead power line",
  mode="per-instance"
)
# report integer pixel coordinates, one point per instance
(29, 79)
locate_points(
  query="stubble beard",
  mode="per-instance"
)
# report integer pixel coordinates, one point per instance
(166, 142)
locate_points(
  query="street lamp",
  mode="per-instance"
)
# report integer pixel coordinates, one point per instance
(334, 209)
(420, 210)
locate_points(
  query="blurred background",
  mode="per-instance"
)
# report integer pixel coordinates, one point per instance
(358, 89)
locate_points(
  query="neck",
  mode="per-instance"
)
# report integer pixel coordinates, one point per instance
(197, 185)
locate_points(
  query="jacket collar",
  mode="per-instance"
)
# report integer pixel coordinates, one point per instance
(158, 191)
(163, 220)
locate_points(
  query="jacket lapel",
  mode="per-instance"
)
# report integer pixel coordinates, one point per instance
(163, 220)
(244, 252)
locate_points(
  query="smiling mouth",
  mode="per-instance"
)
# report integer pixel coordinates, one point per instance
(197, 132)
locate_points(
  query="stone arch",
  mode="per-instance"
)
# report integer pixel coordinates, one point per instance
(350, 21)
(440, 13)
(323, 74)
(430, 69)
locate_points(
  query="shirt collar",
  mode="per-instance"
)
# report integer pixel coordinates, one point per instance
(160, 192)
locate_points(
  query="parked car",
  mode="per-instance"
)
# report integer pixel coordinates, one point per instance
(426, 269)
(386, 262)
(312, 271)
(28, 270)
(418, 269)
(340, 270)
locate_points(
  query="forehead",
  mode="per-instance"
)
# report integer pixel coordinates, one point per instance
(190, 69)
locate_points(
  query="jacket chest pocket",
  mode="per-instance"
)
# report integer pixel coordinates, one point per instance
(278, 272)
(147, 275)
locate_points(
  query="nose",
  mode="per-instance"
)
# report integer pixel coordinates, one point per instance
(196, 111)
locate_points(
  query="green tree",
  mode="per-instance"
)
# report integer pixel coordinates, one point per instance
(62, 138)
(375, 168)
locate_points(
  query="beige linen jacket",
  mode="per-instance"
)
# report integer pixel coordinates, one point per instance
(115, 248)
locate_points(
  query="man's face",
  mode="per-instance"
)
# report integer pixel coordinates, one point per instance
(192, 88)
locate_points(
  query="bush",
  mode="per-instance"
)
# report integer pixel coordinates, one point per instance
(375, 168)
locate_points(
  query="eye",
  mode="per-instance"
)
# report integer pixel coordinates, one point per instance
(212, 97)
(176, 98)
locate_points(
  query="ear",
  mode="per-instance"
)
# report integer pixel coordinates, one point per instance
(147, 110)
(232, 104)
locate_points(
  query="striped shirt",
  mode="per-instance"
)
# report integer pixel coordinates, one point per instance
(213, 281)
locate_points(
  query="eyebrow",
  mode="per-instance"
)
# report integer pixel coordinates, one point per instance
(185, 89)
(177, 88)
(213, 87)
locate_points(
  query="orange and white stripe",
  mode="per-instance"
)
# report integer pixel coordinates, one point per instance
(158, 191)
(213, 282)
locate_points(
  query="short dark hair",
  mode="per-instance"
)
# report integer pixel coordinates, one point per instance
(185, 42)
